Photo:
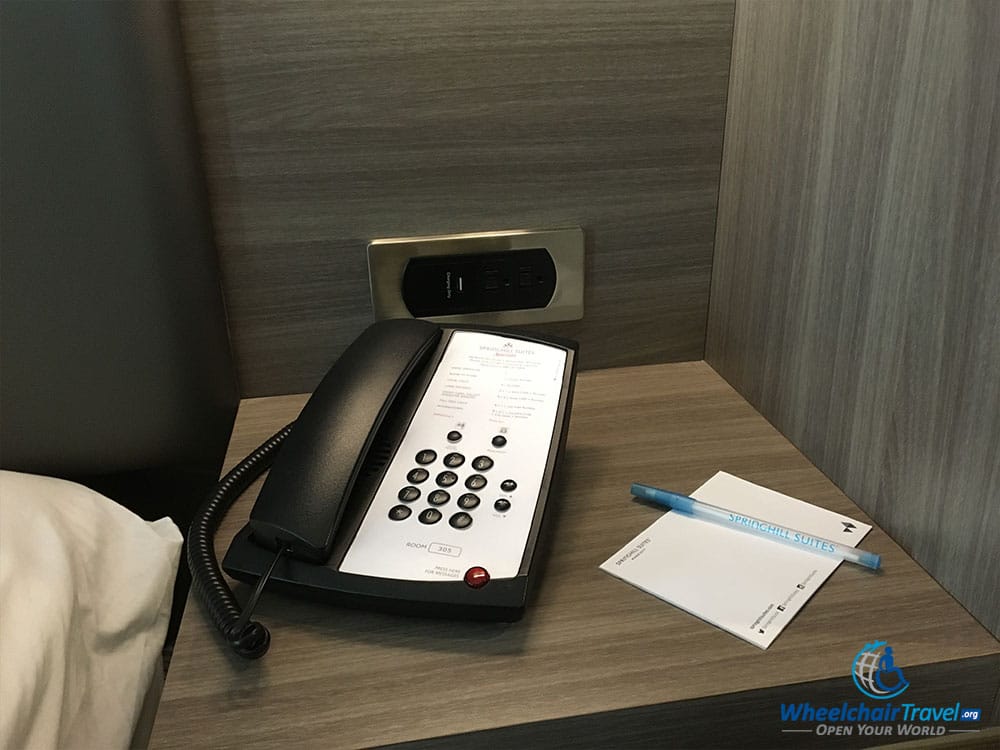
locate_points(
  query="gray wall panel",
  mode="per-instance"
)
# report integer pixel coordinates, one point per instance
(856, 284)
(327, 124)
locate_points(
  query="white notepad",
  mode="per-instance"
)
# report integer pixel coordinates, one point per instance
(748, 585)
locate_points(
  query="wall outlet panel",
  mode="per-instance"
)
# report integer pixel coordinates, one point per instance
(493, 278)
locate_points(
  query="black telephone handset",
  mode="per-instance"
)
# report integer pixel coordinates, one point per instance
(304, 495)
(415, 480)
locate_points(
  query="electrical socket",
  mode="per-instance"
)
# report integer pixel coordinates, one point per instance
(492, 278)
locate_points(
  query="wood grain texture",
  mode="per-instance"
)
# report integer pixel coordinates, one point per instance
(327, 124)
(590, 644)
(856, 288)
(743, 720)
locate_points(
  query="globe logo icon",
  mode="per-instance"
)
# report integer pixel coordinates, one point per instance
(875, 673)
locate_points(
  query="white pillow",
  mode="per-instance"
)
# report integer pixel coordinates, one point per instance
(85, 596)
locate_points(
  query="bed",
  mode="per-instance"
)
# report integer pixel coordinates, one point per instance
(85, 588)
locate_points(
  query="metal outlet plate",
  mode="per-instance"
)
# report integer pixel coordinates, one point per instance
(387, 260)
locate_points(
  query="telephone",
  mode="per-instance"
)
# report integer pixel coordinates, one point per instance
(415, 480)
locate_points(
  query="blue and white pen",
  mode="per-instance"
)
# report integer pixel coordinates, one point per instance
(766, 529)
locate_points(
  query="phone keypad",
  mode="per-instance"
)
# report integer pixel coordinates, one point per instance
(436, 498)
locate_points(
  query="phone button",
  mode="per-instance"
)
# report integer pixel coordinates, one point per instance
(408, 494)
(438, 497)
(426, 456)
(508, 485)
(454, 460)
(475, 482)
(447, 478)
(468, 501)
(417, 476)
(399, 513)
(477, 577)
(499, 441)
(454, 436)
(502, 505)
(482, 463)
(429, 516)
(460, 520)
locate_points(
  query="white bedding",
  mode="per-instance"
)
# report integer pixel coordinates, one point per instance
(85, 596)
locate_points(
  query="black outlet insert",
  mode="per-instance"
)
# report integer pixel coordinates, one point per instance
(481, 282)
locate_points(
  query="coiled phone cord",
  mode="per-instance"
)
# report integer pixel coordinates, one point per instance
(249, 639)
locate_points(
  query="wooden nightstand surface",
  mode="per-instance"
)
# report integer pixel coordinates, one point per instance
(594, 660)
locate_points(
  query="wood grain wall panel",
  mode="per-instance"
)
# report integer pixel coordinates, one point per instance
(326, 124)
(856, 285)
